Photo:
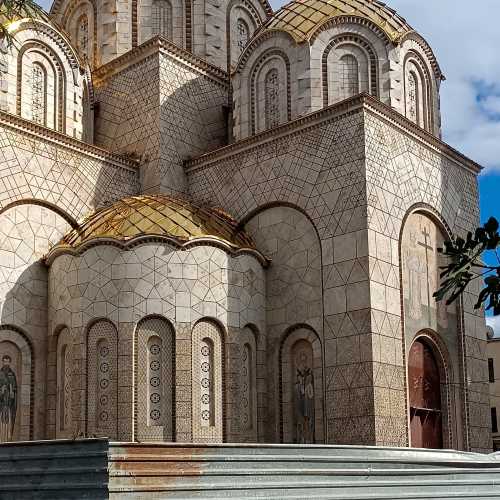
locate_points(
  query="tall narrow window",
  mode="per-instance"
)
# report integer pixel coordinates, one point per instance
(494, 420)
(412, 98)
(161, 18)
(38, 96)
(242, 34)
(349, 76)
(83, 36)
(272, 95)
(491, 370)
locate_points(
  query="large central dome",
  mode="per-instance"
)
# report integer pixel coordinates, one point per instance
(301, 18)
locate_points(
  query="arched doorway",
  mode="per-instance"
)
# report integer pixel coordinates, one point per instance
(424, 381)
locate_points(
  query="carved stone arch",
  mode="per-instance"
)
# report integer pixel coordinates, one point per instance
(15, 344)
(442, 324)
(102, 379)
(341, 20)
(63, 44)
(301, 379)
(208, 381)
(427, 102)
(420, 41)
(59, 73)
(154, 368)
(433, 341)
(256, 69)
(46, 204)
(257, 41)
(75, 6)
(252, 15)
(366, 47)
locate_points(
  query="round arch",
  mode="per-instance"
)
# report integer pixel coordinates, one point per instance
(433, 342)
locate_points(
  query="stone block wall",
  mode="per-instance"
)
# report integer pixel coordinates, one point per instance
(163, 106)
(355, 170)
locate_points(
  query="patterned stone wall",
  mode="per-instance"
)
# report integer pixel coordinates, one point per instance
(49, 167)
(317, 166)
(404, 174)
(164, 109)
(356, 176)
(294, 293)
(26, 234)
(151, 281)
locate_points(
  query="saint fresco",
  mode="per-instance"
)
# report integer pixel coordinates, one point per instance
(8, 399)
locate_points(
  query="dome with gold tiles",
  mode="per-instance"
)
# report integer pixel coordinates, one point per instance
(302, 18)
(157, 216)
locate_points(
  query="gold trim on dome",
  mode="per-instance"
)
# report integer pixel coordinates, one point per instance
(301, 18)
(157, 215)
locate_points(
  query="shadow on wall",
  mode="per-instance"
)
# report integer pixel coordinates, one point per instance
(26, 233)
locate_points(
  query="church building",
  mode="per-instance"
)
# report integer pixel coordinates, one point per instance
(220, 223)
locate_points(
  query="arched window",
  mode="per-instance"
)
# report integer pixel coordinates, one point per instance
(102, 373)
(349, 76)
(272, 98)
(155, 380)
(161, 18)
(243, 34)
(83, 36)
(39, 94)
(412, 98)
(426, 427)
(207, 383)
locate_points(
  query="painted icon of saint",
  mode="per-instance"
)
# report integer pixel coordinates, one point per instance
(304, 406)
(8, 400)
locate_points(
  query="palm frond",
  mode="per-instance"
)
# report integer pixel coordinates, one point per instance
(13, 10)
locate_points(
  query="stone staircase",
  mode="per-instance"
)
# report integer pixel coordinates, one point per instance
(97, 469)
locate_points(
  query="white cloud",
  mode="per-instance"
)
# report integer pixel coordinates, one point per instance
(494, 322)
(465, 38)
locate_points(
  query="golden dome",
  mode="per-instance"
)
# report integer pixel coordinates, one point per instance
(301, 18)
(156, 216)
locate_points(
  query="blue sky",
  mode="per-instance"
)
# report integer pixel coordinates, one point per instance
(465, 38)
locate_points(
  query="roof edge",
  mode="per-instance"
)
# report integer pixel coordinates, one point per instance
(155, 45)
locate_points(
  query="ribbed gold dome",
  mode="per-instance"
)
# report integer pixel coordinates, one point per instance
(301, 18)
(157, 215)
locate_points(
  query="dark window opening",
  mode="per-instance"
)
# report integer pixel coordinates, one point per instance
(494, 421)
(491, 370)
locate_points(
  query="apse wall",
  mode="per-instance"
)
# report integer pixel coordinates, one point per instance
(151, 301)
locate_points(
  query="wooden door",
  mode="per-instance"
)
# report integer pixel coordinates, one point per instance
(426, 429)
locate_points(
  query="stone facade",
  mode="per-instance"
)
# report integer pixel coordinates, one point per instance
(210, 235)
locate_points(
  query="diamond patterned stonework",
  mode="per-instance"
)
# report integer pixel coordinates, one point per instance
(220, 224)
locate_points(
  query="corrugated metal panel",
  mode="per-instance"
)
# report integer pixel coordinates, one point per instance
(79, 470)
(63, 469)
(299, 472)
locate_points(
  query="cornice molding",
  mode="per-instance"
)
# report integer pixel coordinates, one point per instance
(335, 112)
(32, 129)
(232, 250)
(154, 46)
